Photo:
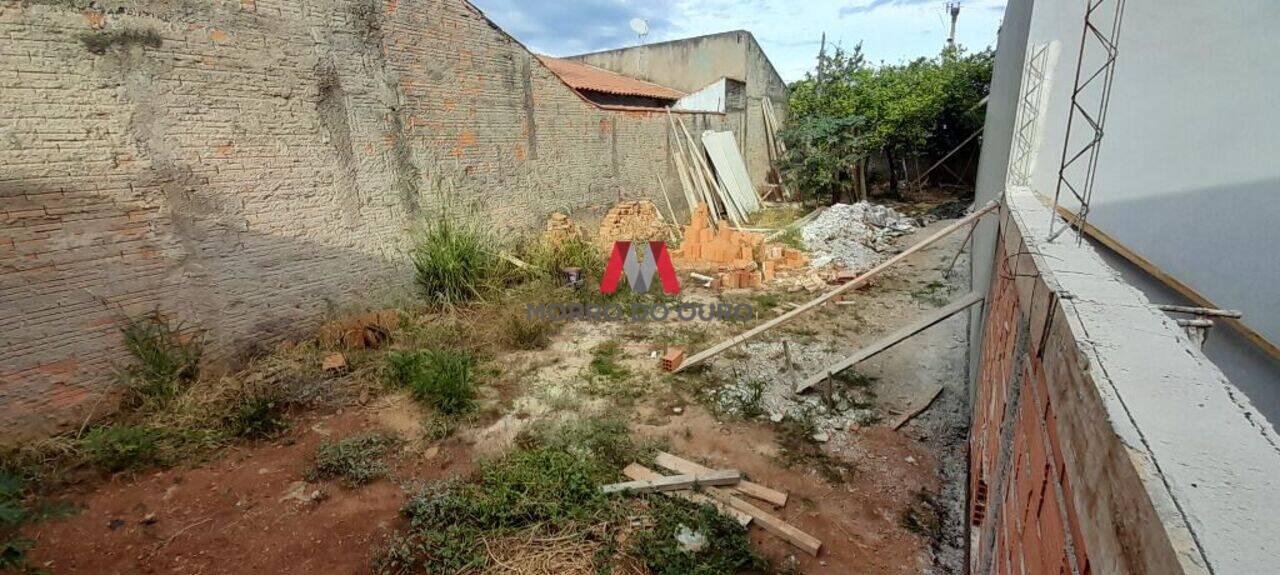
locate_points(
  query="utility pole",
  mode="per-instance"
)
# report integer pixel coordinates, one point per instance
(953, 8)
(822, 56)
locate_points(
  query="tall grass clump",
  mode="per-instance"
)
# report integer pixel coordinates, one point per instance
(453, 262)
(549, 257)
(166, 361)
(441, 378)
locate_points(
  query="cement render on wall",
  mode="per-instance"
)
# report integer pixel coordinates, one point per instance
(260, 168)
(691, 64)
(1168, 466)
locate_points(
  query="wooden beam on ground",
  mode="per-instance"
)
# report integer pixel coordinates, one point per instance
(824, 298)
(677, 482)
(807, 543)
(681, 465)
(641, 473)
(917, 410)
(888, 341)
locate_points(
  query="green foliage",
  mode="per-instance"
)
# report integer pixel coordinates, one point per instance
(454, 262)
(551, 483)
(258, 415)
(728, 547)
(606, 362)
(13, 513)
(441, 378)
(166, 361)
(549, 257)
(847, 111)
(121, 447)
(525, 332)
(355, 460)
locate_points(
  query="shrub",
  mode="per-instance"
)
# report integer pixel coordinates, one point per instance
(165, 361)
(549, 257)
(441, 378)
(728, 548)
(356, 460)
(122, 447)
(453, 262)
(258, 414)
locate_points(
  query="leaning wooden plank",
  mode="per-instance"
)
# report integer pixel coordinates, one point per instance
(807, 543)
(681, 465)
(796, 224)
(824, 298)
(888, 341)
(700, 161)
(689, 172)
(918, 409)
(670, 210)
(640, 472)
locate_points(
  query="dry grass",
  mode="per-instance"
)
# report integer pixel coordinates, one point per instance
(569, 552)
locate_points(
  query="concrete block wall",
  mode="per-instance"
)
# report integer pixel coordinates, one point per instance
(1102, 440)
(249, 167)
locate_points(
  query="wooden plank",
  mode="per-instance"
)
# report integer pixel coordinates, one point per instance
(670, 210)
(917, 410)
(824, 298)
(888, 341)
(681, 465)
(665, 483)
(800, 222)
(700, 160)
(807, 543)
(639, 472)
(1164, 277)
(699, 184)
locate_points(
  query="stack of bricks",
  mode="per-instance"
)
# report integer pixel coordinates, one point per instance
(560, 228)
(632, 221)
(743, 258)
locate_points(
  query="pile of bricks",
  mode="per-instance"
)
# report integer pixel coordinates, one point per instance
(632, 221)
(560, 228)
(742, 259)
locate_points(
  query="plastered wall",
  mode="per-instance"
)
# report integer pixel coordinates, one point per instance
(249, 167)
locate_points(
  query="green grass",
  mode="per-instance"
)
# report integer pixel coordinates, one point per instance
(355, 460)
(551, 484)
(791, 238)
(606, 362)
(120, 447)
(165, 362)
(526, 333)
(454, 262)
(258, 416)
(18, 507)
(549, 258)
(441, 378)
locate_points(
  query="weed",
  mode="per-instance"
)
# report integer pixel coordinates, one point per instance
(99, 42)
(800, 449)
(548, 258)
(601, 438)
(441, 378)
(606, 362)
(257, 416)
(13, 513)
(121, 447)
(527, 333)
(453, 262)
(728, 550)
(355, 460)
(791, 238)
(166, 361)
(933, 293)
(923, 516)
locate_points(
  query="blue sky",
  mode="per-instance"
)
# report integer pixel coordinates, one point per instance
(890, 30)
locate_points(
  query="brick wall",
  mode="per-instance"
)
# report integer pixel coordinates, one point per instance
(248, 167)
(1102, 439)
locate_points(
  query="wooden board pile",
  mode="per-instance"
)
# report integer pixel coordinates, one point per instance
(632, 221)
(741, 259)
(724, 489)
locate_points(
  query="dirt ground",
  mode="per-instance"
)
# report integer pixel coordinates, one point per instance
(249, 510)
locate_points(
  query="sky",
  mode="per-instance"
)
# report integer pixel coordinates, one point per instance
(891, 31)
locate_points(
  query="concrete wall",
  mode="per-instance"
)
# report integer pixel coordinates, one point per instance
(691, 64)
(256, 165)
(1103, 441)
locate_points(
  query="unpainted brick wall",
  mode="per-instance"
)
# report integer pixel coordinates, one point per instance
(249, 167)
(1052, 489)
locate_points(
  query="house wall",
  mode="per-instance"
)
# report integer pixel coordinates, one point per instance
(1103, 440)
(258, 165)
(691, 64)
(1186, 176)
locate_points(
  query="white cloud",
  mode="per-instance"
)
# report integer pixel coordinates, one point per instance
(890, 30)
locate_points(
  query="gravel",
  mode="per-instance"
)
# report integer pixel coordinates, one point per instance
(854, 236)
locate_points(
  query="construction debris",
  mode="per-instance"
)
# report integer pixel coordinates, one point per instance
(740, 259)
(560, 229)
(632, 221)
(334, 363)
(639, 472)
(367, 330)
(672, 359)
(853, 236)
(684, 466)
(676, 482)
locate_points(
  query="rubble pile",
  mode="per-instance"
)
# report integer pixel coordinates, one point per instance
(853, 236)
(560, 228)
(632, 221)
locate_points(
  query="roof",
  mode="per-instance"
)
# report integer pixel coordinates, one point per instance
(585, 77)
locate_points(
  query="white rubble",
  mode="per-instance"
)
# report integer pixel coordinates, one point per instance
(854, 236)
